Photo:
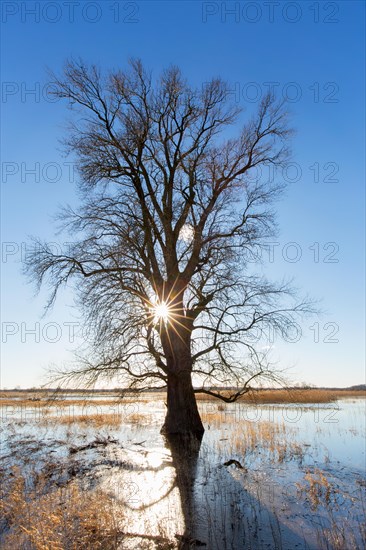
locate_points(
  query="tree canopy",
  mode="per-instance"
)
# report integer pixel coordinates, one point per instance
(171, 214)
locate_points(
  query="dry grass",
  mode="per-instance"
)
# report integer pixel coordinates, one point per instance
(339, 537)
(65, 518)
(139, 418)
(95, 420)
(291, 396)
(317, 488)
(274, 438)
(335, 533)
(42, 399)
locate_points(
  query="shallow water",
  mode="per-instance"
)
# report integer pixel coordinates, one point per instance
(168, 492)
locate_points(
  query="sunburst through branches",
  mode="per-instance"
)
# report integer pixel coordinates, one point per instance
(161, 312)
(167, 312)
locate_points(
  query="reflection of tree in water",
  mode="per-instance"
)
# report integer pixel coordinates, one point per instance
(179, 524)
(184, 451)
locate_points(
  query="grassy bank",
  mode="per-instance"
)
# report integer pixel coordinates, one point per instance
(293, 395)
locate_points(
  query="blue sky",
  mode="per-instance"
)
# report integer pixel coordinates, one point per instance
(312, 52)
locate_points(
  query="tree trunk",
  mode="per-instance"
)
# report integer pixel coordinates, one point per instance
(182, 415)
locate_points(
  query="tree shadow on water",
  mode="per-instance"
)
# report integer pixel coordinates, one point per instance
(217, 507)
(184, 451)
(218, 512)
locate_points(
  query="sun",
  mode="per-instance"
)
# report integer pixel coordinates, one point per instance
(161, 312)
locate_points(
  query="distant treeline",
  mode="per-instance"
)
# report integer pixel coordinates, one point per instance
(359, 387)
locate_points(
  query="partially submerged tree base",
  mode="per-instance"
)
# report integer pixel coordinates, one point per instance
(182, 415)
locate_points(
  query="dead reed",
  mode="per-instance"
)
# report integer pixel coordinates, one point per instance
(295, 395)
(65, 518)
(94, 420)
(290, 396)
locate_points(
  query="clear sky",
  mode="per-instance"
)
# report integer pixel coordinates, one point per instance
(311, 52)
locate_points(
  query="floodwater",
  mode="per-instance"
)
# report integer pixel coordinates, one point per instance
(296, 480)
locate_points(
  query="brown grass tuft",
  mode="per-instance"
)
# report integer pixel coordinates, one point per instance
(317, 488)
(95, 420)
(66, 518)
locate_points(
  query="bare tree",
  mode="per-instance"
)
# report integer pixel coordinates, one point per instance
(169, 214)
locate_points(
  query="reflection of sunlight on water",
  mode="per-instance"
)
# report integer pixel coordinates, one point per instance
(146, 488)
(155, 459)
